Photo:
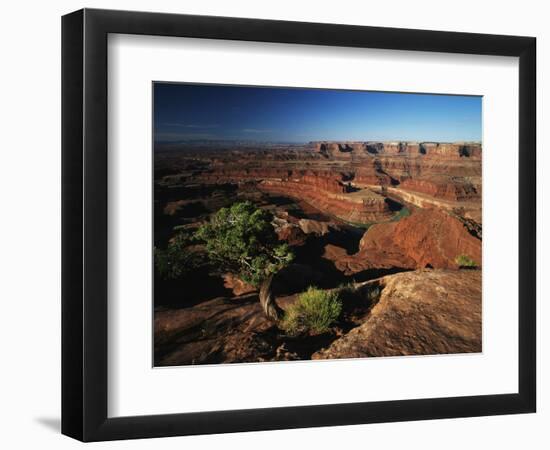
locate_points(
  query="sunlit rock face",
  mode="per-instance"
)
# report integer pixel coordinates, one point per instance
(444, 150)
(428, 238)
(331, 196)
(439, 309)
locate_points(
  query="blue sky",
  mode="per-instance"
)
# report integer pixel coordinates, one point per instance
(193, 111)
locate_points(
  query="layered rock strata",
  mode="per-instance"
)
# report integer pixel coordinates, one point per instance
(363, 206)
(424, 174)
(325, 190)
(350, 149)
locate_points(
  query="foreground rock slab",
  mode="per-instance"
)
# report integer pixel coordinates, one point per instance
(423, 312)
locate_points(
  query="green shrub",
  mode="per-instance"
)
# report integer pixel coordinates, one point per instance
(314, 312)
(179, 258)
(465, 261)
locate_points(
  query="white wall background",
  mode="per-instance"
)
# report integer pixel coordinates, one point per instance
(30, 225)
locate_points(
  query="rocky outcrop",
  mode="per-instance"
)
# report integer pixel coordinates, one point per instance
(220, 330)
(292, 234)
(415, 313)
(452, 150)
(364, 206)
(425, 312)
(238, 286)
(428, 238)
(337, 150)
(349, 150)
(443, 188)
(309, 226)
(401, 167)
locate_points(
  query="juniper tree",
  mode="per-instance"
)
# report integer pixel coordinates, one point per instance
(241, 240)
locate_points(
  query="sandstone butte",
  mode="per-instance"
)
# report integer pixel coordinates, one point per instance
(430, 149)
(427, 238)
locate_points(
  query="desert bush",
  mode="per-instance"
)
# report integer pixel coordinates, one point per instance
(465, 261)
(313, 312)
(179, 257)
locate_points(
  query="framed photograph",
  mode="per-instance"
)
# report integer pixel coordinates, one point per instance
(273, 224)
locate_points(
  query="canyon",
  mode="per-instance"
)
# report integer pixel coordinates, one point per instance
(401, 216)
(355, 182)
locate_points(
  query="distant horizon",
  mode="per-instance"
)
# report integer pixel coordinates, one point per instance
(339, 141)
(186, 113)
(336, 141)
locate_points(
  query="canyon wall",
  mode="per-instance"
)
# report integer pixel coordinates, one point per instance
(357, 207)
(446, 171)
(339, 178)
(347, 150)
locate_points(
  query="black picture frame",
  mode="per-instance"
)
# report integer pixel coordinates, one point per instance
(84, 224)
